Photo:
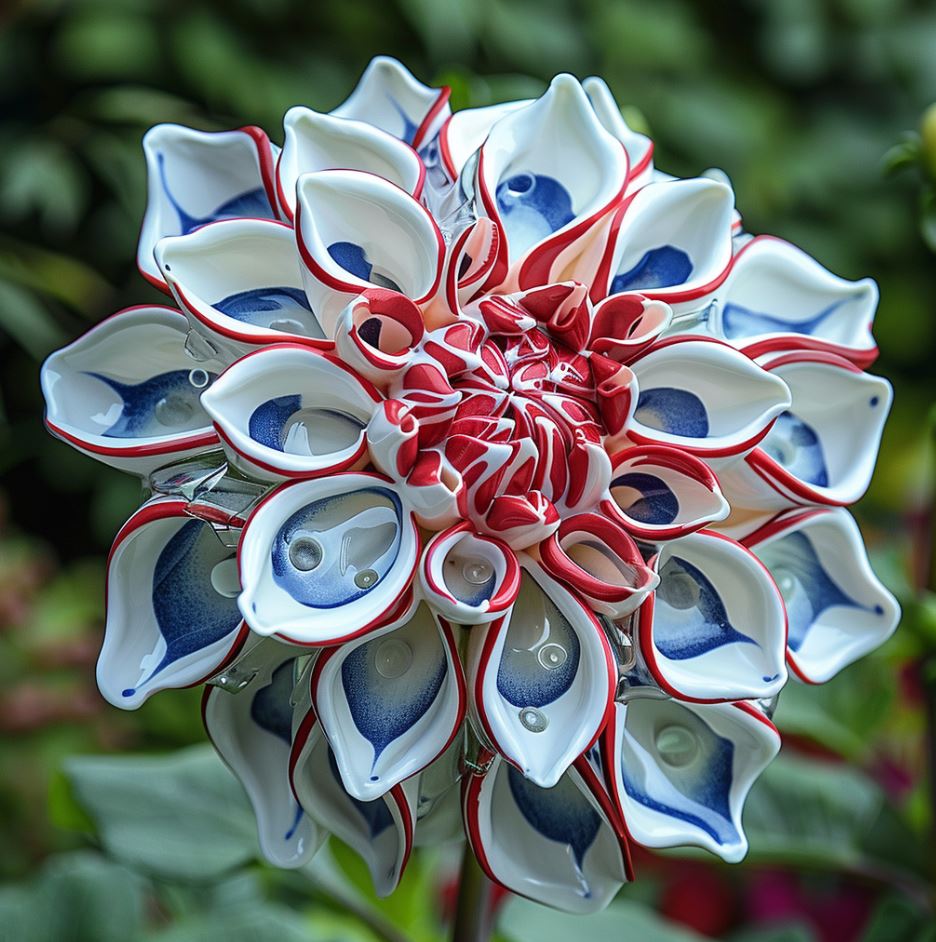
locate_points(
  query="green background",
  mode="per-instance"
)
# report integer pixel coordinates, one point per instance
(810, 108)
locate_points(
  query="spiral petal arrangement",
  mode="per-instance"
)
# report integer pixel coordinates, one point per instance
(494, 480)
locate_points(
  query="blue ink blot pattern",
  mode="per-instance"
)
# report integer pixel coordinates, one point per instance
(179, 402)
(281, 307)
(656, 504)
(270, 708)
(355, 532)
(795, 445)
(662, 267)
(532, 207)
(253, 203)
(808, 590)
(689, 617)
(562, 813)
(536, 621)
(697, 793)
(739, 321)
(674, 411)
(190, 614)
(384, 708)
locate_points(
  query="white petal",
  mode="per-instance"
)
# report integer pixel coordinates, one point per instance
(172, 617)
(715, 629)
(127, 393)
(241, 280)
(316, 141)
(357, 231)
(251, 729)
(551, 845)
(326, 560)
(681, 772)
(390, 703)
(196, 177)
(542, 678)
(837, 609)
(289, 411)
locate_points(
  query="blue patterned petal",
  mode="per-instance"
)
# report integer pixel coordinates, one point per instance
(662, 267)
(532, 206)
(794, 445)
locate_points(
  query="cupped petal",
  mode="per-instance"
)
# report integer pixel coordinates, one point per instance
(357, 231)
(639, 147)
(289, 411)
(552, 845)
(547, 174)
(823, 447)
(465, 131)
(315, 141)
(596, 558)
(715, 628)
(380, 831)
(389, 97)
(240, 279)
(542, 678)
(671, 242)
(469, 579)
(704, 397)
(197, 177)
(837, 609)
(474, 262)
(378, 334)
(659, 492)
(326, 560)
(438, 810)
(390, 703)
(680, 772)
(625, 325)
(252, 732)
(172, 617)
(776, 297)
(127, 392)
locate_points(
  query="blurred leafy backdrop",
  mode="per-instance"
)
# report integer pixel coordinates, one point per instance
(812, 107)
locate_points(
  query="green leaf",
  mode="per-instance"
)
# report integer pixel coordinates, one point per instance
(523, 921)
(78, 897)
(181, 816)
(28, 321)
(261, 922)
(897, 919)
(928, 218)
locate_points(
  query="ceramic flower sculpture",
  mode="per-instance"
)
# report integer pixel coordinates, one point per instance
(494, 480)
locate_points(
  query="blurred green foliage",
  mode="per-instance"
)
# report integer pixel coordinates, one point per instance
(814, 108)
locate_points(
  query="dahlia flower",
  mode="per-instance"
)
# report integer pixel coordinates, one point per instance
(494, 480)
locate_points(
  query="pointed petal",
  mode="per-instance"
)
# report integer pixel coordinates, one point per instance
(715, 628)
(356, 231)
(547, 194)
(466, 130)
(823, 447)
(542, 678)
(662, 493)
(670, 242)
(681, 772)
(327, 560)
(549, 844)
(390, 98)
(240, 279)
(838, 610)
(704, 397)
(172, 618)
(251, 729)
(289, 411)
(316, 141)
(639, 147)
(390, 703)
(380, 831)
(127, 392)
(185, 189)
(776, 297)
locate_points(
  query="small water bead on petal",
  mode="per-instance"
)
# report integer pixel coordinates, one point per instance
(225, 579)
(552, 656)
(306, 554)
(393, 658)
(534, 720)
(678, 746)
(366, 578)
(477, 571)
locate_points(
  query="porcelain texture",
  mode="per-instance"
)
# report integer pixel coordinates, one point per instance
(495, 480)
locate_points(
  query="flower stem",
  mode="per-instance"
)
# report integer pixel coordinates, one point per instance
(473, 909)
